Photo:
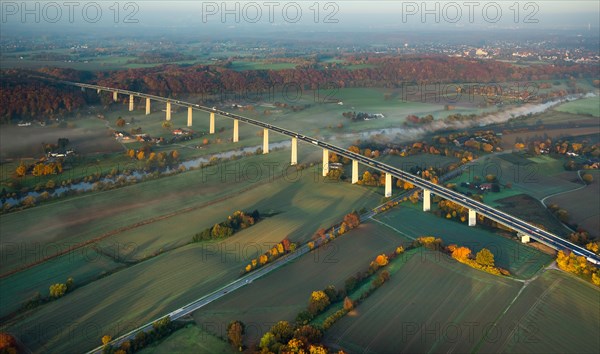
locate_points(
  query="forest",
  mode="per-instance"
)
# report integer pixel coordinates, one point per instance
(24, 96)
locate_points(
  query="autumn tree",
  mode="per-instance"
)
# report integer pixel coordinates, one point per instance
(8, 343)
(381, 260)
(106, 339)
(318, 302)
(21, 170)
(235, 334)
(70, 284)
(308, 334)
(283, 331)
(120, 122)
(461, 253)
(593, 246)
(587, 178)
(348, 304)
(352, 220)
(267, 341)
(485, 257)
(58, 290)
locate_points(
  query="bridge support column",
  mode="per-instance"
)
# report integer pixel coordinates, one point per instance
(236, 130)
(325, 162)
(212, 124)
(426, 200)
(472, 217)
(189, 122)
(388, 185)
(265, 141)
(98, 91)
(147, 106)
(168, 111)
(294, 152)
(82, 89)
(354, 171)
(131, 102)
(115, 96)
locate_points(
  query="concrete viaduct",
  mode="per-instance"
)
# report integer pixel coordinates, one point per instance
(524, 229)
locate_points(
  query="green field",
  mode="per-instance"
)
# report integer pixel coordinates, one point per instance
(259, 65)
(172, 279)
(431, 304)
(191, 339)
(556, 313)
(522, 261)
(582, 205)
(538, 177)
(281, 294)
(91, 215)
(586, 106)
(83, 266)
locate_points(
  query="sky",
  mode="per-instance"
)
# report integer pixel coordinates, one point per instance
(298, 15)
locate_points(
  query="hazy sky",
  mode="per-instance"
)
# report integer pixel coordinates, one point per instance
(245, 16)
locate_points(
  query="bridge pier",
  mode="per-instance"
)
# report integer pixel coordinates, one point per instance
(388, 185)
(212, 123)
(236, 130)
(98, 91)
(168, 111)
(294, 152)
(147, 106)
(189, 122)
(325, 162)
(115, 96)
(131, 103)
(472, 217)
(426, 200)
(265, 141)
(82, 89)
(524, 238)
(354, 171)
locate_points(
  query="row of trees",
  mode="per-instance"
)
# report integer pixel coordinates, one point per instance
(351, 221)
(157, 158)
(160, 329)
(579, 266)
(320, 300)
(280, 249)
(39, 169)
(235, 222)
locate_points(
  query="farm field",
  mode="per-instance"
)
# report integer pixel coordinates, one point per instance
(302, 207)
(582, 205)
(276, 297)
(164, 283)
(522, 261)
(83, 266)
(430, 304)
(26, 142)
(87, 216)
(538, 177)
(531, 210)
(556, 313)
(191, 339)
(585, 106)
(260, 65)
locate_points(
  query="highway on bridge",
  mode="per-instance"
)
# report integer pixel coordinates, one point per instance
(510, 221)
